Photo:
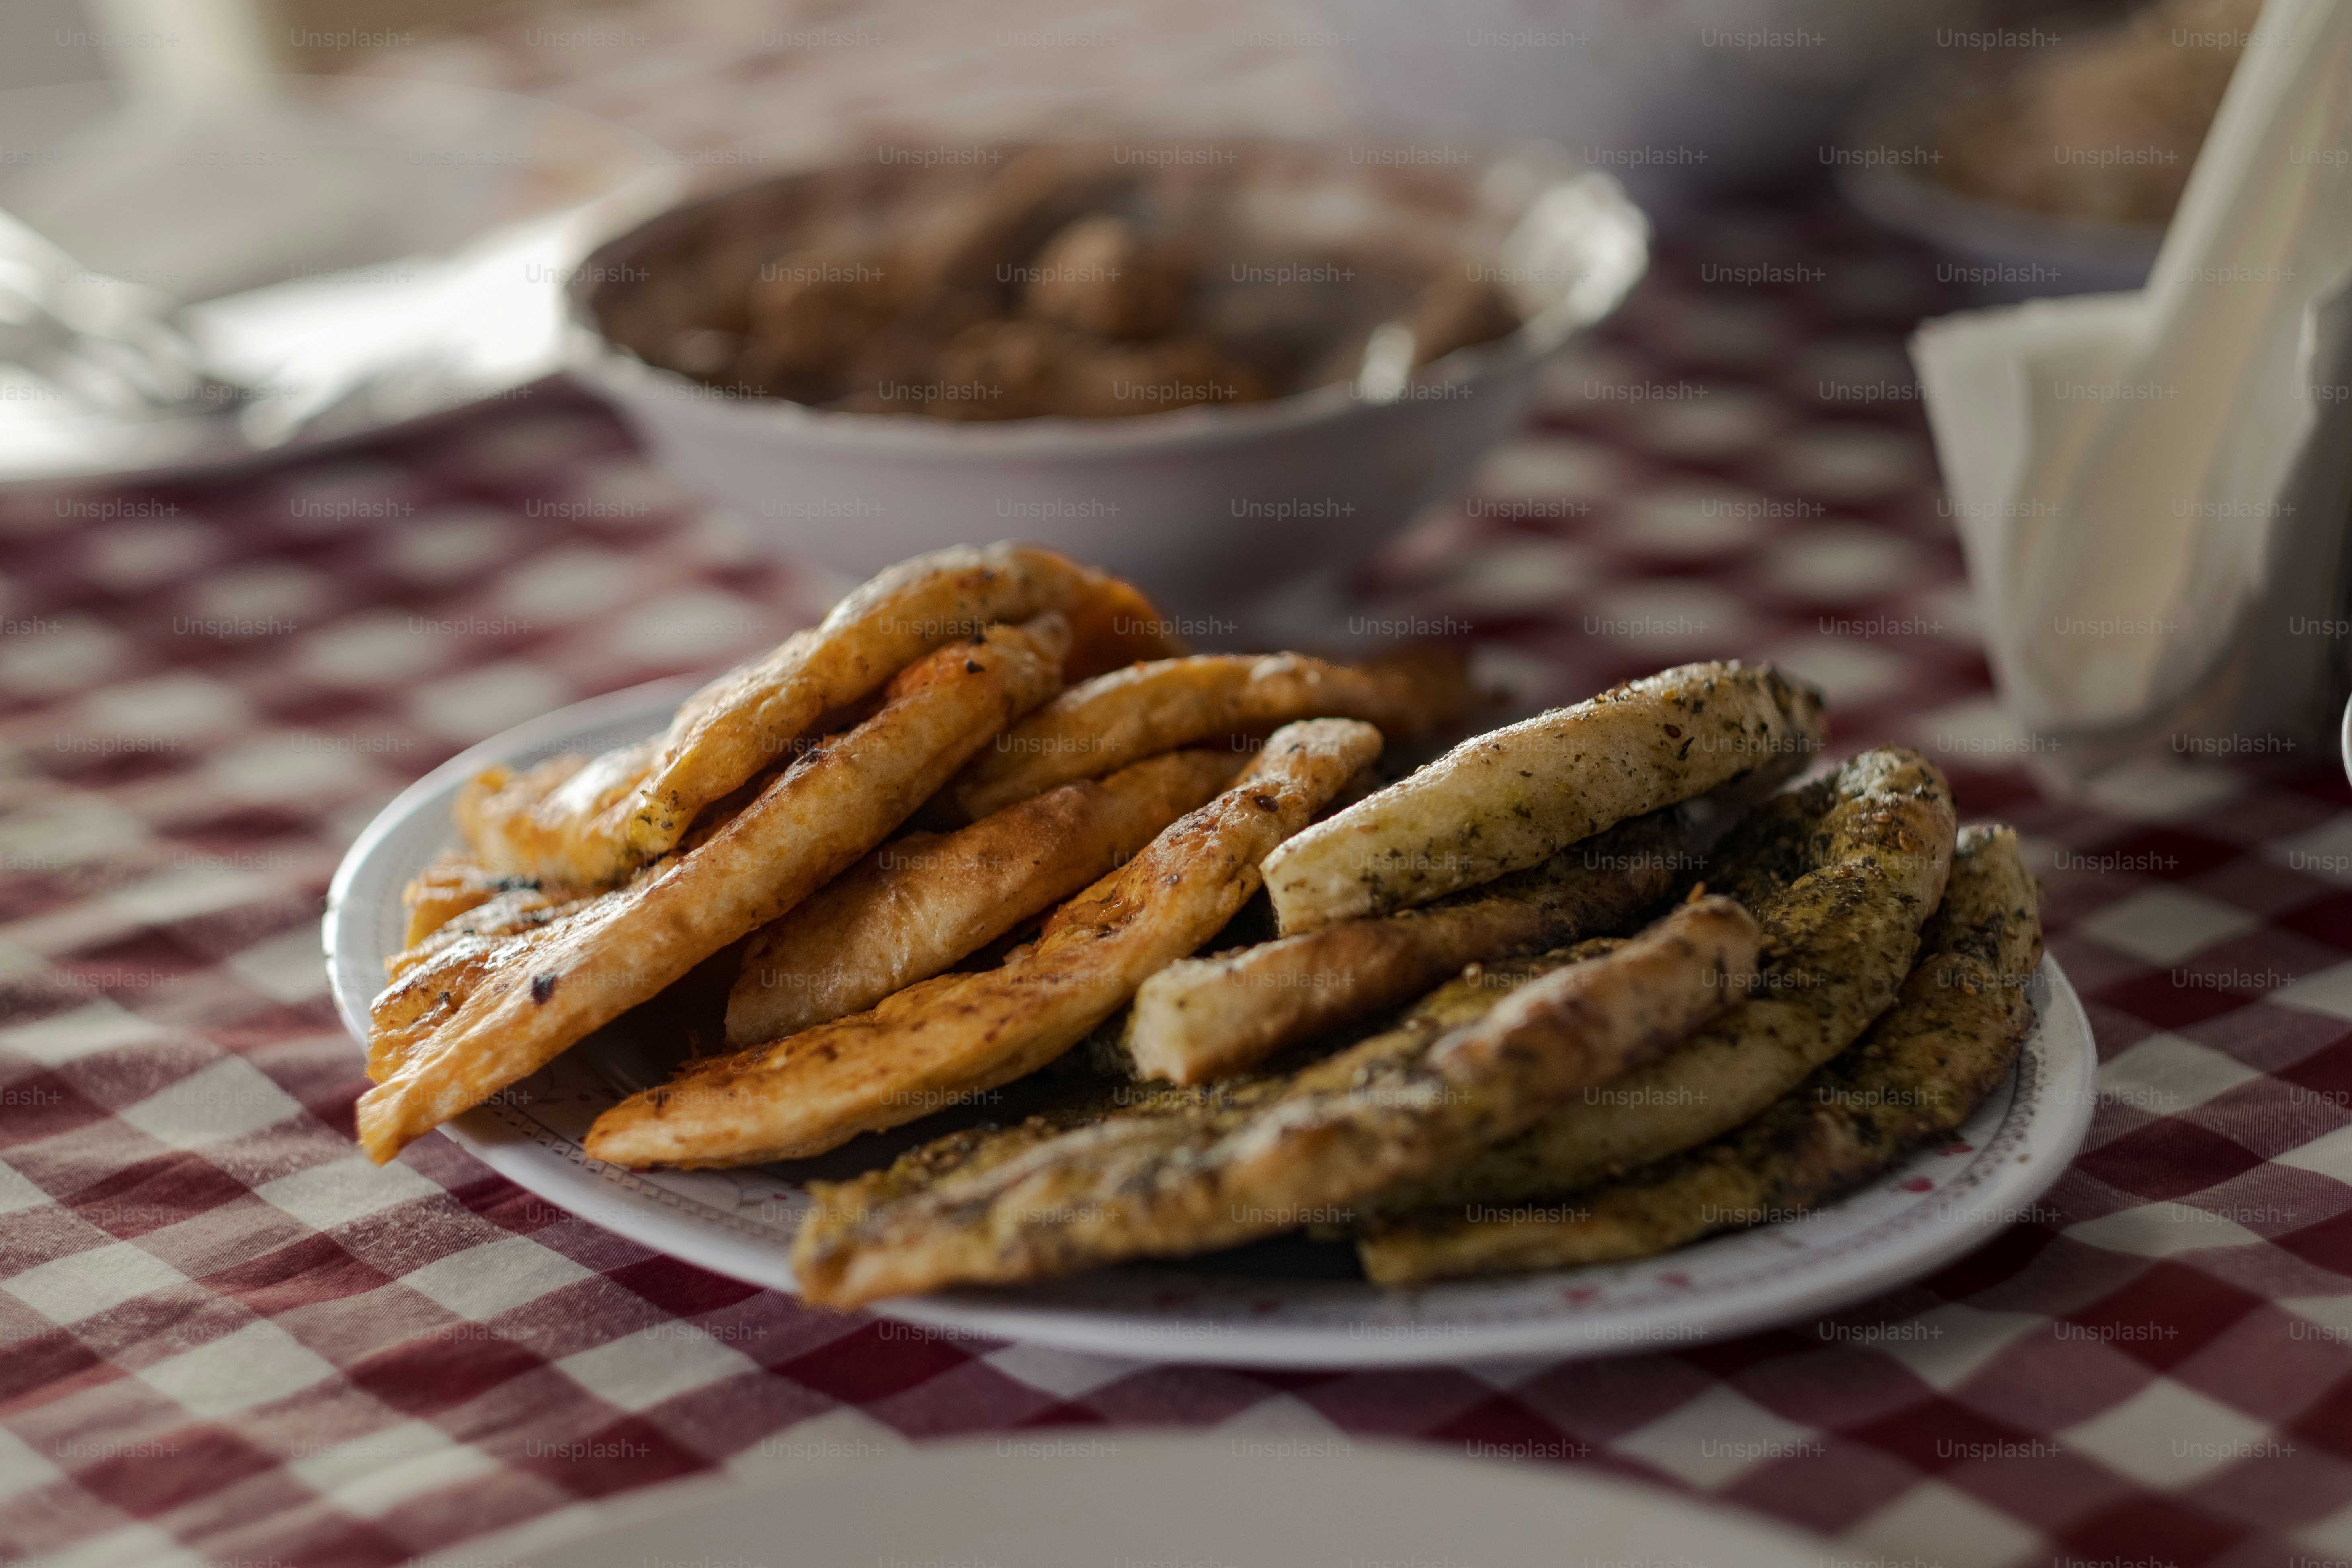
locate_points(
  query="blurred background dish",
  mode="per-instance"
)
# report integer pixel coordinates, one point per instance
(2002, 253)
(1679, 97)
(2051, 163)
(351, 254)
(1328, 272)
(1081, 279)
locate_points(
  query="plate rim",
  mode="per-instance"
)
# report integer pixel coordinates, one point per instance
(637, 1208)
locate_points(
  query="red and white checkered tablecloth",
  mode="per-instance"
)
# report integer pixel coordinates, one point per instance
(225, 1336)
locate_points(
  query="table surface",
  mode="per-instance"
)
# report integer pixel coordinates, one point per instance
(228, 1338)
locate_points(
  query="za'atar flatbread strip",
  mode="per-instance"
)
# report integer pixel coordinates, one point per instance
(1272, 1154)
(1514, 797)
(448, 1035)
(1210, 1017)
(1921, 1072)
(1865, 853)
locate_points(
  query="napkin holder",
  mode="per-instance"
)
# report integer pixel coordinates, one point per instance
(2153, 490)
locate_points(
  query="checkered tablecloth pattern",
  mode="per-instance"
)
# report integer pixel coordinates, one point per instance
(225, 1338)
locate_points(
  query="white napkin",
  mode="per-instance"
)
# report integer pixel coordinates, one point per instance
(2153, 488)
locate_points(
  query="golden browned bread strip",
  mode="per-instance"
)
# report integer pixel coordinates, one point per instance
(1211, 1018)
(1112, 625)
(561, 820)
(732, 729)
(457, 902)
(1514, 797)
(1923, 1068)
(948, 1038)
(923, 901)
(592, 820)
(444, 1039)
(507, 913)
(1273, 1154)
(456, 883)
(1868, 848)
(1147, 708)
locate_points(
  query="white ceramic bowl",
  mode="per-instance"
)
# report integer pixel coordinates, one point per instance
(1213, 505)
(1682, 97)
(2000, 253)
(2003, 253)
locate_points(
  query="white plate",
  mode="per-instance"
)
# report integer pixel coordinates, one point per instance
(1249, 1307)
(1061, 1497)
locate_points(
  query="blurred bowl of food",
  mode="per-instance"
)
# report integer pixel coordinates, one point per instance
(2002, 253)
(1678, 98)
(2051, 163)
(1219, 367)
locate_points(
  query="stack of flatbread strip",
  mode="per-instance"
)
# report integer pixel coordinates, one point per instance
(1080, 767)
(1206, 1018)
(946, 1039)
(1227, 1169)
(589, 887)
(455, 1029)
(1176, 1150)
(1060, 799)
(829, 1073)
(924, 900)
(1535, 795)
(1924, 1066)
(1841, 874)
(593, 821)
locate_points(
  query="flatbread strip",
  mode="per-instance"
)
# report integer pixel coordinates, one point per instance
(455, 884)
(592, 819)
(1146, 708)
(459, 915)
(923, 901)
(448, 1033)
(1924, 1067)
(1273, 1155)
(562, 820)
(950, 1038)
(1514, 797)
(510, 912)
(1869, 848)
(1210, 1017)
(732, 729)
